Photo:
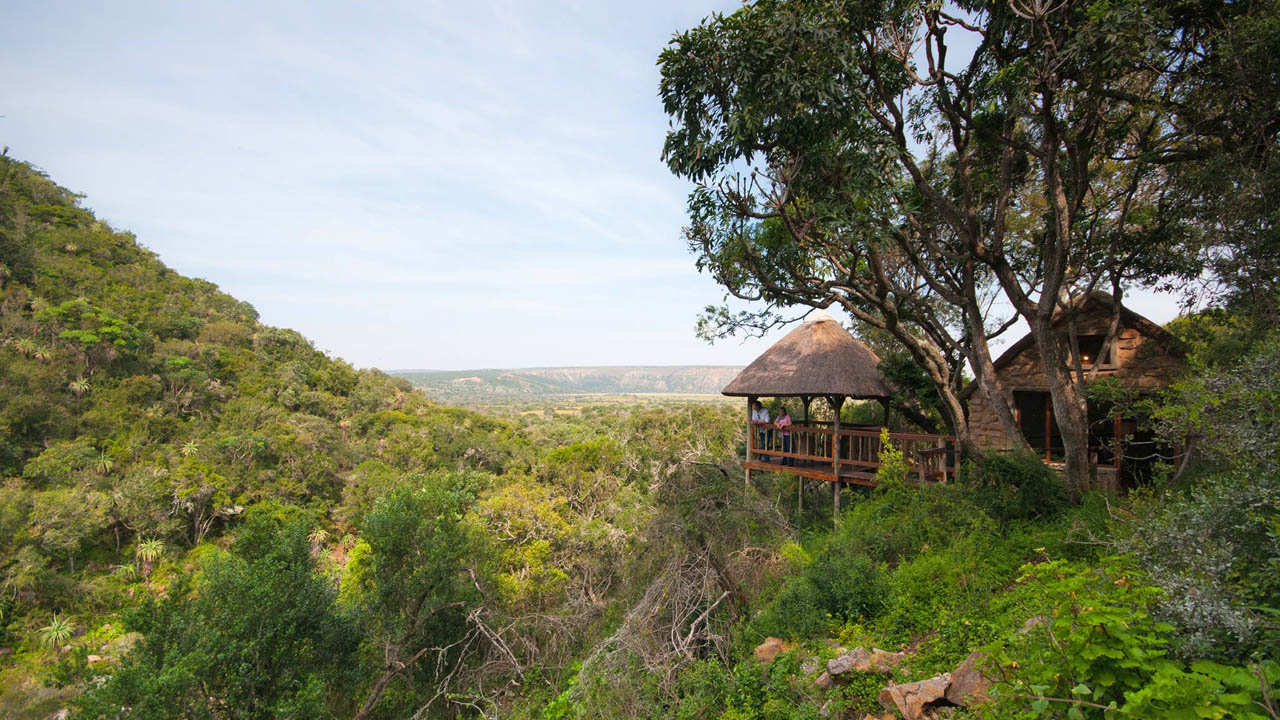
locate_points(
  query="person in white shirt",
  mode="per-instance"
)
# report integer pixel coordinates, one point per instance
(761, 420)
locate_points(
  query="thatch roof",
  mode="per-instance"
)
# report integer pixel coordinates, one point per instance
(819, 358)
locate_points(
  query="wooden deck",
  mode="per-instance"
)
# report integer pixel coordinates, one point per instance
(808, 453)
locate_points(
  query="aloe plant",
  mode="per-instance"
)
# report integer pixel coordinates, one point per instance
(56, 634)
(149, 553)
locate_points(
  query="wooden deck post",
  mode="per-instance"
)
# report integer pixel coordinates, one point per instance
(836, 404)
(806, 399)
(836, 504)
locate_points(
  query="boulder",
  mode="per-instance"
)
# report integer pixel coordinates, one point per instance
(968, 685)
(771, 648)
(823, 681)
(861, 660)
(855, 660)
(885, 661)
(94, 659)
(811, 666)
(910, 699)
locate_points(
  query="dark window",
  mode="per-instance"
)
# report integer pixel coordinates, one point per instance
(1035, 419)
(1091, 351)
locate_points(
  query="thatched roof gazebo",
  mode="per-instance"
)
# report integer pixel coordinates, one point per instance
(821, 359)
(818, 359)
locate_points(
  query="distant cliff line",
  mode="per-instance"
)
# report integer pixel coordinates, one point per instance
(501, 385)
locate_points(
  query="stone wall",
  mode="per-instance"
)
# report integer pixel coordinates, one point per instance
(1144, 360)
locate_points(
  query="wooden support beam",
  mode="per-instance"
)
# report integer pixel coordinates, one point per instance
(836, 403)
(835, 504)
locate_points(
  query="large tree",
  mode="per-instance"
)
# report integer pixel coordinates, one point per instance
(905, 159)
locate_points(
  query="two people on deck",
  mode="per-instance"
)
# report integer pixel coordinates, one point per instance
(764, 429)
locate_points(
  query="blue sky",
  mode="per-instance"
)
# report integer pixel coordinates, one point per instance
(427, 185)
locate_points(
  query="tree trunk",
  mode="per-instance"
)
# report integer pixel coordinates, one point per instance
(984, 371)
(1070, 409)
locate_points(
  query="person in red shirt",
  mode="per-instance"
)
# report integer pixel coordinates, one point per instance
(783, 423)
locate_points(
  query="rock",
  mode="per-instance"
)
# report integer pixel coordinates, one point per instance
(1032, 623)
(119, 647)
(62, 714)
(858, 658)
(885, 661)
(823, 681)
(968, 685)
(861, 660)
(910, 699)
(810, 666)
(771, 648)
(94, 659)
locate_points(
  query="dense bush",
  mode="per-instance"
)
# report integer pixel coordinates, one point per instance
(850, 586)
(1091, 643)
(256, 635)
(895, 522)
(799, 611)
(1014, 486)
(1215, 550)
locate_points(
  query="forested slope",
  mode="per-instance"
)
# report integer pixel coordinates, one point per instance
(275, 533)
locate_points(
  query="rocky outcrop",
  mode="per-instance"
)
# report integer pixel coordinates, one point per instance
(911, 700)
(965, 686)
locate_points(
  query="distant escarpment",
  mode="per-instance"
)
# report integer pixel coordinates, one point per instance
(488, 386)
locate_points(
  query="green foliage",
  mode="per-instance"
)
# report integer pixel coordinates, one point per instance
(893, 468)
(799, 611)
(850, 586)
(898, 521)
(1092, 644)
(57, 633)
(256, 634)
(1230, 412)
(416, 581)
(1215, 550)
(1014, 486)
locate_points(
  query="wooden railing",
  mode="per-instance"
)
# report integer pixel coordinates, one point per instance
(807, 450)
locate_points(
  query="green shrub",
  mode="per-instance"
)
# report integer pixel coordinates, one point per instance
(1014, 486)
(1093, 644)
(895, 523)
(1215, 550)
(850, 586)
(797, 612)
